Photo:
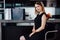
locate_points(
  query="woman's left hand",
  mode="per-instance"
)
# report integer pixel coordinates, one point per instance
(31, 34)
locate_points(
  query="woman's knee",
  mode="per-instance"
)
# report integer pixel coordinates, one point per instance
(22, 38)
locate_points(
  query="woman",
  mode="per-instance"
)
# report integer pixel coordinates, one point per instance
(39, 29)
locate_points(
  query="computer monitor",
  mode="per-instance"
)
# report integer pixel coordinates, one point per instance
(18, 13)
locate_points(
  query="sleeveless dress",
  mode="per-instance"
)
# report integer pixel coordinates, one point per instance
(39, 35)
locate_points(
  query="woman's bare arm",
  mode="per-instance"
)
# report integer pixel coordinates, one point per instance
(42, 24)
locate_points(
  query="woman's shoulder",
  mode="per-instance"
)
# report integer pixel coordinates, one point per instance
(44, 13)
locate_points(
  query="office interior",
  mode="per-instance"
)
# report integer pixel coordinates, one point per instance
(19, 14)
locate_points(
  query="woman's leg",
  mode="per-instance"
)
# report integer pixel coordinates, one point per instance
(22, 38)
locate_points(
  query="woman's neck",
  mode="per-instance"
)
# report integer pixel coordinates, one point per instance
(41, 12)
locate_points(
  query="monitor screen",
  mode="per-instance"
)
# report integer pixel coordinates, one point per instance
(17, 13)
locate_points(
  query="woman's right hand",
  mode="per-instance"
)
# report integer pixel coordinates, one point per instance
(33, 30)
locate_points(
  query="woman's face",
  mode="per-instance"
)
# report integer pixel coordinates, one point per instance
(38, 8)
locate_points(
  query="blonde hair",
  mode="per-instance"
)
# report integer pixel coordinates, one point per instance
(40, 3)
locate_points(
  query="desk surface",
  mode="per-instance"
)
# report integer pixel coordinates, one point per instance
(30, 21)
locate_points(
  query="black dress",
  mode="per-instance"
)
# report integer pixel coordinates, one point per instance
(40, 35)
